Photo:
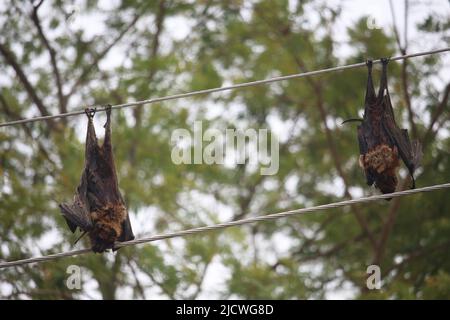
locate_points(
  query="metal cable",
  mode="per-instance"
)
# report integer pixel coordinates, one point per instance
(226, 88)
(230, 224)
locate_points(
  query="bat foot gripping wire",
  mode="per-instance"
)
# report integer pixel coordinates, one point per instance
(90, 112)
(385, 60)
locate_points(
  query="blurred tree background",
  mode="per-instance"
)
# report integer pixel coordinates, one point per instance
(54, 60)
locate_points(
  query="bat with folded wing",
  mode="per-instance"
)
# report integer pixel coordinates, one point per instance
(381, 142)
(98, 208)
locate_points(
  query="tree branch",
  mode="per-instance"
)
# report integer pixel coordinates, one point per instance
(161, 286)
(405, 28)
(245, 200)
(52, 54)
(387, 227)
(10, 59)
(159, 27)
(313, 238)
(88, 69)
(137, 112)
(338, 165)
(10, 113)
(333, 250)
(404, 74)
(139, 287)
(329, 136)
(394, 26)
(407, 98)
(200, 281)
(429, 134)
(417, 254)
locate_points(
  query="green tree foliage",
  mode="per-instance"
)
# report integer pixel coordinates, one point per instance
(53, 59)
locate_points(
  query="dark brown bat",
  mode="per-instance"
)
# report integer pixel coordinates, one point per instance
(381, 141)
(98, 207)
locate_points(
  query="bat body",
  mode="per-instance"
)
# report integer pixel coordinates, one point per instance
(98, 208)
(381, 142)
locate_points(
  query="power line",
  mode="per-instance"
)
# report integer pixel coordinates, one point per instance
(230, 224)
(226, 88)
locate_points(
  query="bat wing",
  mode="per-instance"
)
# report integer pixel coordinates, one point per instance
(77, 212)
(76, 215)
(127, 232)
(363, 149)
(411, 153)
(370, 91)
(98, 206)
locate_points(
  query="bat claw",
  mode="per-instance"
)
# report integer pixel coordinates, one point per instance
(90, 112)
(352, 120)
(385, 60)
(413, 182)
(108, 108)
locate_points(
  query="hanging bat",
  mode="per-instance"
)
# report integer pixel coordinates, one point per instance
(98, 208)
(381, 141)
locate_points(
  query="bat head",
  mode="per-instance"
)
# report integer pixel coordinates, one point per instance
(103, 237)
(380, 165)
(387, 183)
(108, 226)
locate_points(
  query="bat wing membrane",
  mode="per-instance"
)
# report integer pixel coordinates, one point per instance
(363, 149)
(410, 153)
(127, 232)
(77, 212)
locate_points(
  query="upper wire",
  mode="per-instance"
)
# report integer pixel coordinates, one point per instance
(219, 89)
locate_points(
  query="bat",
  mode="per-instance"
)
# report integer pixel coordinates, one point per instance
(98, 208)
(381, 142)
